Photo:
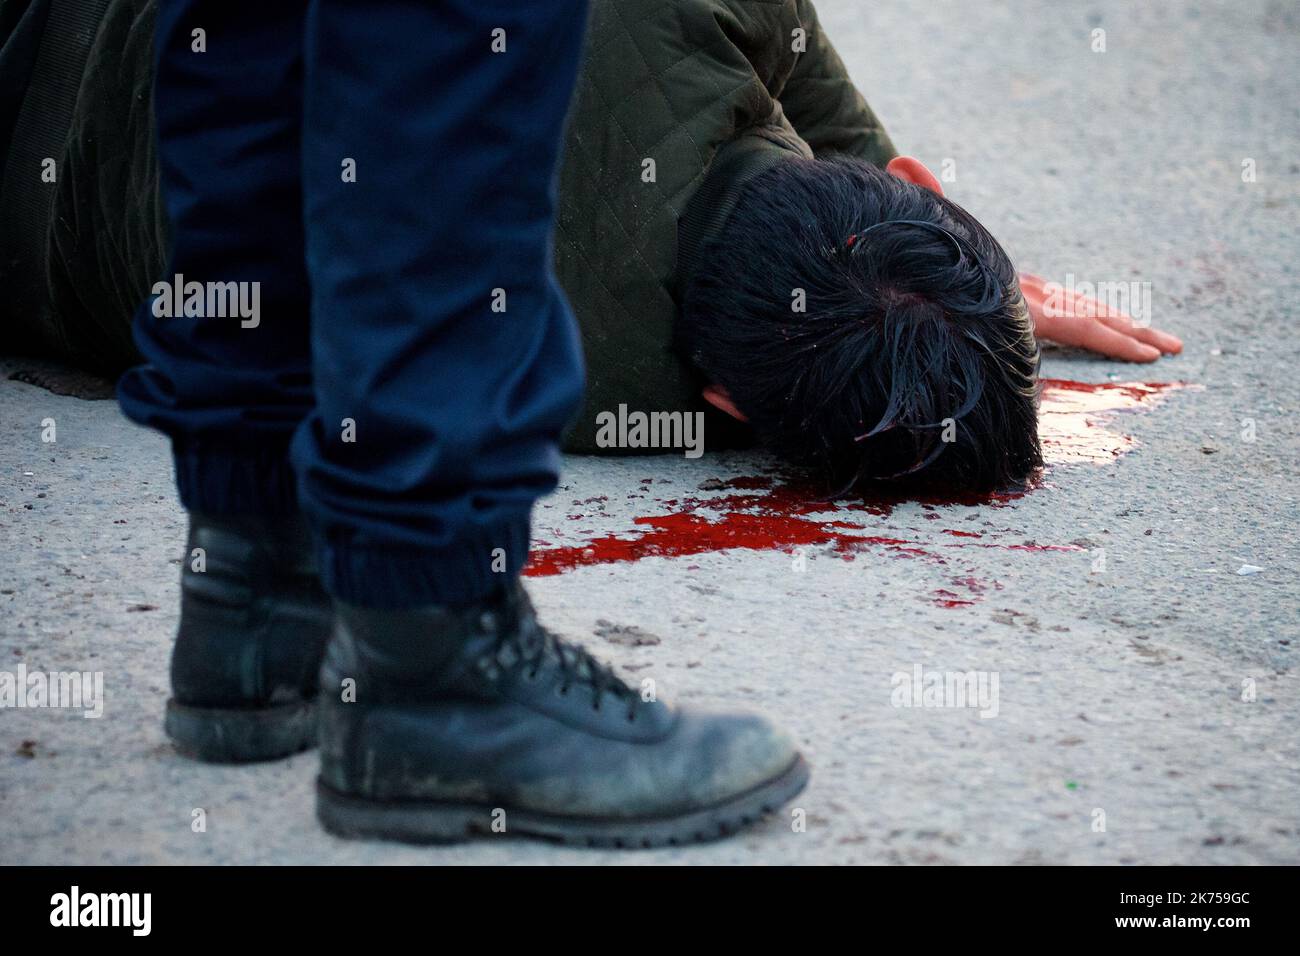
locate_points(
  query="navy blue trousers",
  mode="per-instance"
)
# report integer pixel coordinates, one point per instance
(413, 360)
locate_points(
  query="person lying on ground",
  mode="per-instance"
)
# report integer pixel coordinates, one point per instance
(736, 232)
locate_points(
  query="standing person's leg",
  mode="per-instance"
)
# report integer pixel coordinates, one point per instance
(445, 707)
(446, 359)
(230, 386)
(228, 390)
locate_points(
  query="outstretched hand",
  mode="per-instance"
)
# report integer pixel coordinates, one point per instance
(1083, 321)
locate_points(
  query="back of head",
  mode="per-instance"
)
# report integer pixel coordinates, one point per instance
(868, 329)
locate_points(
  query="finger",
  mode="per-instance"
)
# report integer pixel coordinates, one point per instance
(1069, 321)
(1086, 306)
(1121, 321)
(1169, 344)
(1102, 338)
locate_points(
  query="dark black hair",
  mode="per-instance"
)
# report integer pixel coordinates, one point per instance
(913, 320)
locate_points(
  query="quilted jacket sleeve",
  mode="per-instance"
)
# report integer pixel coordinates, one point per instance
(824, 106)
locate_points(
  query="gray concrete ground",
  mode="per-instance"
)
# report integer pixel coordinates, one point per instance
(1120, 684)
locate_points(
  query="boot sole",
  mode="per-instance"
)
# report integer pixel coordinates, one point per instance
(412, 821)
(223, 735)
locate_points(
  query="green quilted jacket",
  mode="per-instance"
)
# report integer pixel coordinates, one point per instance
(671, 82)
(664, 85)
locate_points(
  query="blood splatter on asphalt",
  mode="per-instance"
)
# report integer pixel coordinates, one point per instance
(759, 514)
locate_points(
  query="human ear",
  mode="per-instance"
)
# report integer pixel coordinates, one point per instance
(914, 171)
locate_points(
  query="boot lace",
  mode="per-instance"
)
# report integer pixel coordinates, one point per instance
(529, 647)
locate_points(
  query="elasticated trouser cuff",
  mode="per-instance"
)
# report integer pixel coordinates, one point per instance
(472, 568)
(255, 479)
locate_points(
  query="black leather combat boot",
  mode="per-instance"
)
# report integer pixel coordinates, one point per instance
(438, 723)
(254, 624)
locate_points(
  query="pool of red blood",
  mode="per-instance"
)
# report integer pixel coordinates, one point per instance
(785, 515)
(1068, 418)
